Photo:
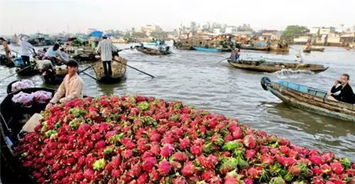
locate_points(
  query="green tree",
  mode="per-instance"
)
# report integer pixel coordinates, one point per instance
(292, 31)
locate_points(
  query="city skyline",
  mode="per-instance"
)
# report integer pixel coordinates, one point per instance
(54, 16)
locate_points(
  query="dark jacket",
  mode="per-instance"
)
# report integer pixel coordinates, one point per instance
(346, 94)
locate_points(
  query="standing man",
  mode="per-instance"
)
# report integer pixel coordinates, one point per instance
(26, 49)
(6, 48)
(71, 87)
(105, 48)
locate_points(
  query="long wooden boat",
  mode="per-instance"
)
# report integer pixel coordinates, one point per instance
(53, 75)
(119, 68)
(310, 99)
(204, 49)
(151, 51)
(319, 49)
(249, 47)
(29, 70)
(12, 118)
(266, 66)
(52, 78)
(307, 50)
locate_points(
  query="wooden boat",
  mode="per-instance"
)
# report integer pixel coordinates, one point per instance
(29, 70)
(52, 78)
(310, 99)
(118, 71)
(204, 49)
(250, 47)
(12, 118)
(307, 50)
(54, 75)
(151, 51)
(320, 49)
(265, 66)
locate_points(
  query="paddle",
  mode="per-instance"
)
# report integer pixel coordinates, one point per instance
(89, 75)
(17, 72)
(152, 76)
(222, 60)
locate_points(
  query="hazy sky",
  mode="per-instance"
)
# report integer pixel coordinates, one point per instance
(52, 16)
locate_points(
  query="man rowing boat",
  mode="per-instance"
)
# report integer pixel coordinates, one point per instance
(106, 48)
(235, 55)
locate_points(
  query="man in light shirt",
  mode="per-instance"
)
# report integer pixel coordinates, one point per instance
(105, 48)
(26, 49)
(71, 87)
(52, 53)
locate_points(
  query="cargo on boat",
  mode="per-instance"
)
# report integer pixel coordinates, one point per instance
(119, 68)
(310, 99)
(266, 66)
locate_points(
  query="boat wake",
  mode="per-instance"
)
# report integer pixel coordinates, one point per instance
(287, 73)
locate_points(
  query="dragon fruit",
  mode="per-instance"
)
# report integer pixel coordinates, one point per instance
(145, 140)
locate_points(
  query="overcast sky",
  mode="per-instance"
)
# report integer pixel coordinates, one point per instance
(53, 16)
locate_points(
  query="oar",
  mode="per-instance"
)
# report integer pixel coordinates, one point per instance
(83, 70)
(222, 60)
(89, 75)
(17, 72)
(152, 76)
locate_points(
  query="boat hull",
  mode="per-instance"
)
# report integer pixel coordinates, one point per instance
(118, 71)
(311, 100)
(11, 117)
(262, 66)
(151, 51)
(203, 49)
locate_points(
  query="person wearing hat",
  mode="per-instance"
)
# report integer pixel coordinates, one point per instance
(71, 87)
(106, 48)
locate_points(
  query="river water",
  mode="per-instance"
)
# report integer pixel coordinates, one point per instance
(197, 79)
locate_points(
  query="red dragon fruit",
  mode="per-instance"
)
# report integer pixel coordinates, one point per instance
(188, 169)
(164, 167)
(249, 141)
(166, 150)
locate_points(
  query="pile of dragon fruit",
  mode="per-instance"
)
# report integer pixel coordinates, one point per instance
(134, 139)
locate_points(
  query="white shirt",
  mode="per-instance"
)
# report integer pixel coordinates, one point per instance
(64, 56)
(26, 48)
(106, 47)
(51, 53)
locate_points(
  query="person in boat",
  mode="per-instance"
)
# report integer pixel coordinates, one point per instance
(6, 48)
(71, 87)
(346, 93)
(26, 50)
(106, 48)
(52, 54)
(63, 55)
(235, 55)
